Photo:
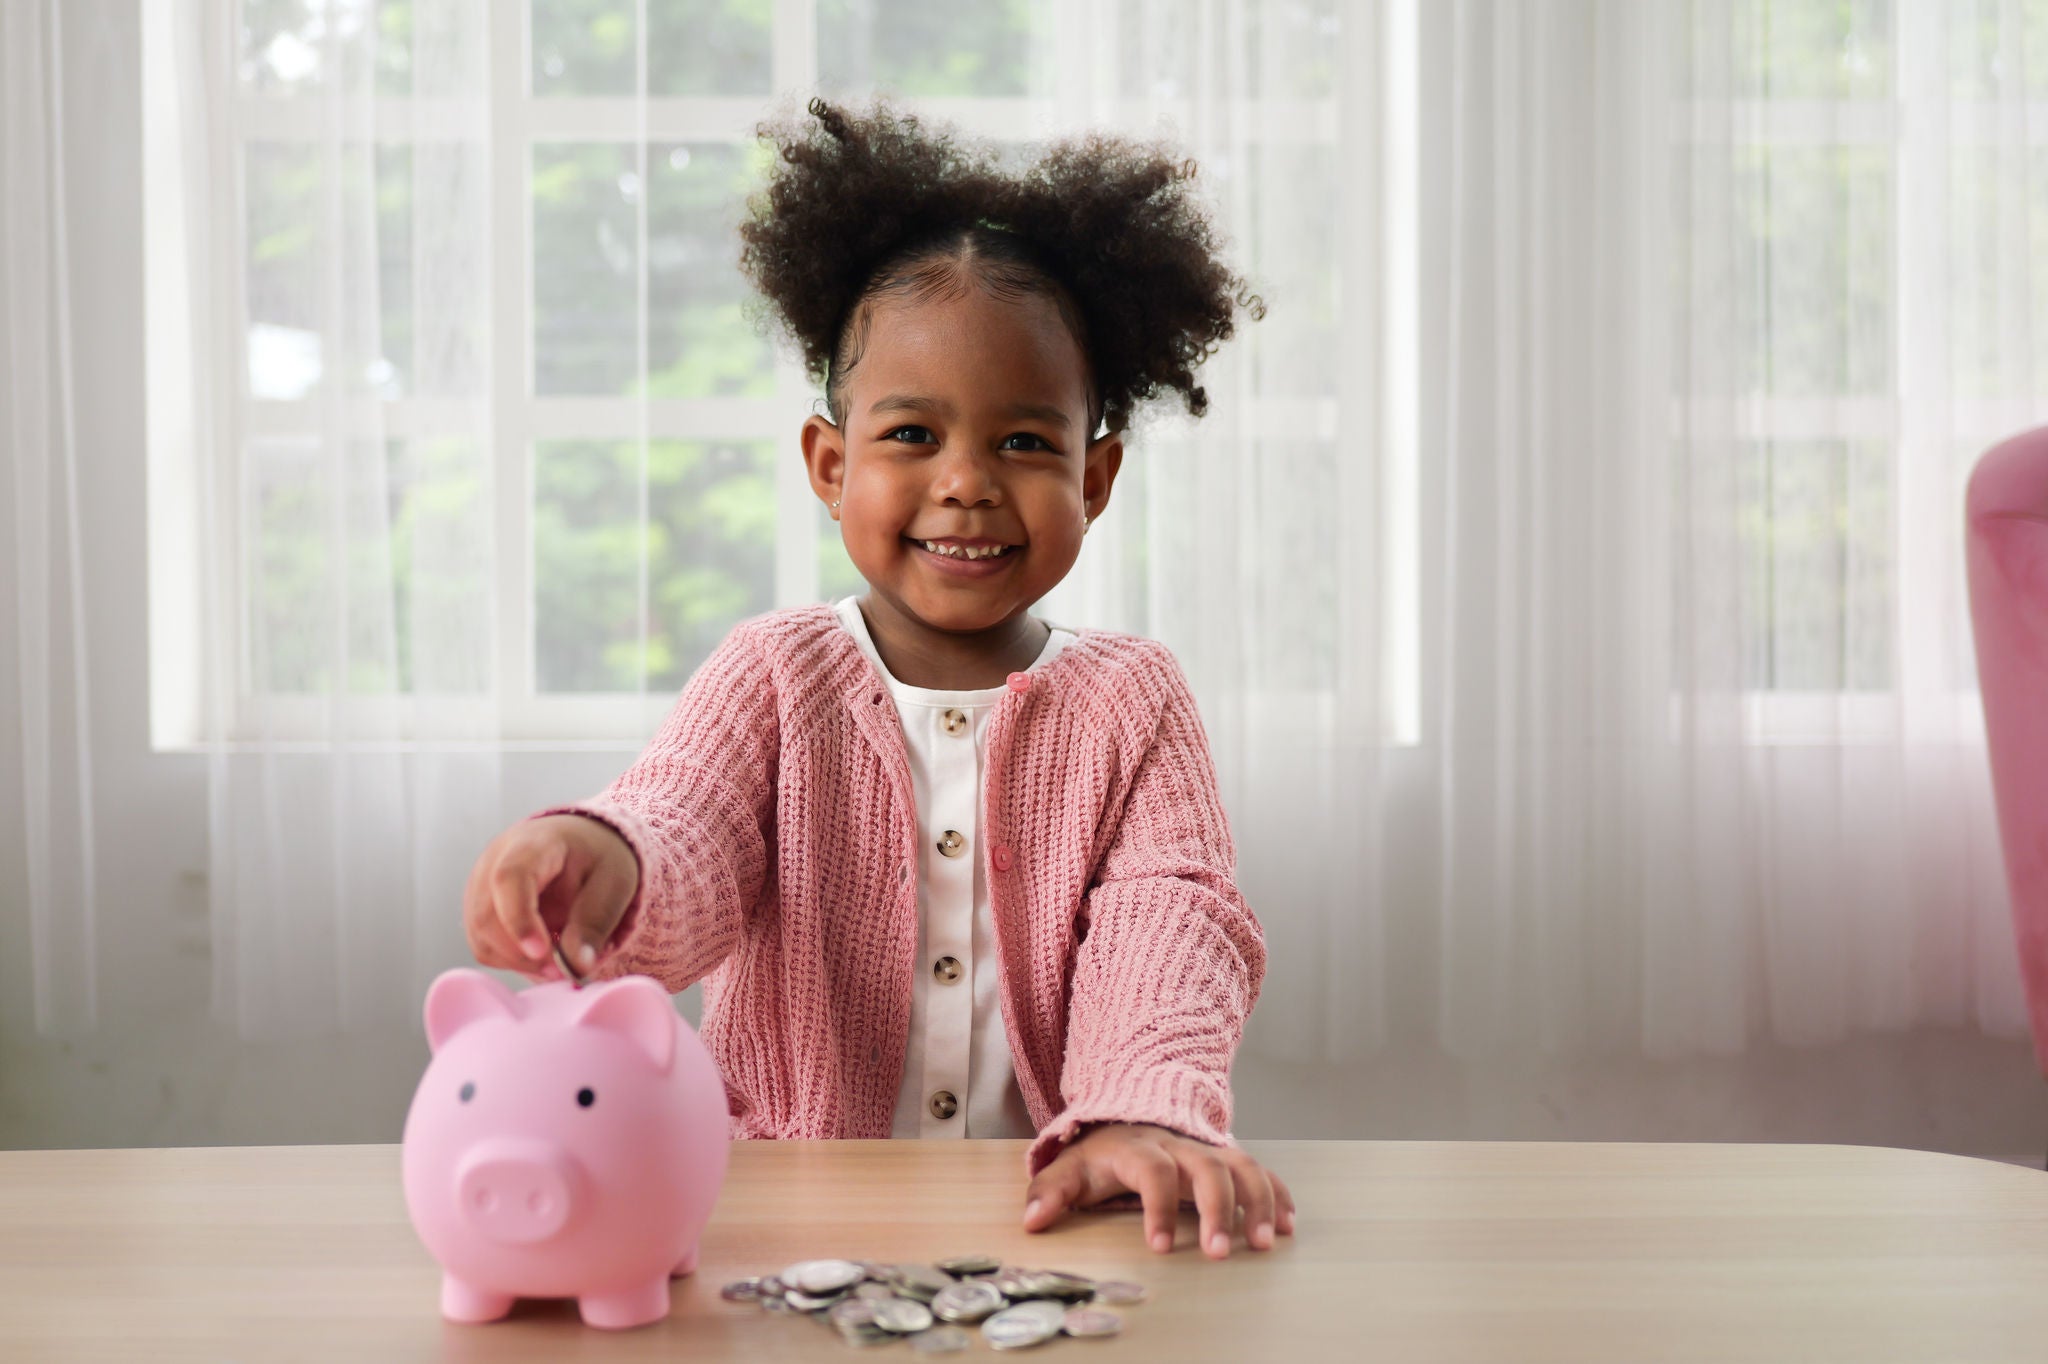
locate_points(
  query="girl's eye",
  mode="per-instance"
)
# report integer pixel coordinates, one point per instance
(1037, 442)
(921, 435)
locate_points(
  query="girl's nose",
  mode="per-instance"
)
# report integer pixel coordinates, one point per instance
(964, 475)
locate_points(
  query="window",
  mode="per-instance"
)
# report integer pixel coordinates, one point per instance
(1854, 154)
(631, 490)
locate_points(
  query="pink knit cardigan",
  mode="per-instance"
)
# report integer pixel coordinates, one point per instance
(776, 832)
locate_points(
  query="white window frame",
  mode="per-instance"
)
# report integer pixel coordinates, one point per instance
(520, 418)
(1898, 122)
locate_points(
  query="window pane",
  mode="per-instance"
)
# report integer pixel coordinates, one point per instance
(288, 649)
(1299, 515)
(1812, 305)
(394, 47)
(583, 47)
(283, 184)
(1294, 46)
(1997, 47)
(586, 566)
(374, 478)
(391, 375)
(1807, 49)
(914, 48)
(1289, 199)
(709, 542)
(585, 268)
(289, 252)
(285, 46)
(443, 567)
(700, 343)
(708, 47)
(298, 617)
(711, 549)
(1817, 553)
(1281, 48)
(448, 311)
(1993, 317)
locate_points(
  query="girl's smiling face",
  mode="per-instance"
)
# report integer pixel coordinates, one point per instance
(964, 468)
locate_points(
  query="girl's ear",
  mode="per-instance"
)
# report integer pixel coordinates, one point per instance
(825, 457)
(1098, 473)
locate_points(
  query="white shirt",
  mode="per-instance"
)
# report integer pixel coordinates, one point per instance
(957, 1044)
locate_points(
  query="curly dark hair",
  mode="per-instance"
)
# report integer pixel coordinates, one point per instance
(861, 206)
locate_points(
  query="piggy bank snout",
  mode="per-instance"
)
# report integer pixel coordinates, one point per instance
(516, 1192)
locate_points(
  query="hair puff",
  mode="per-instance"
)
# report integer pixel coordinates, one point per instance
(1108, 226)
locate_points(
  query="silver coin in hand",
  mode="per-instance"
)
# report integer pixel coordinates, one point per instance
(568, 971)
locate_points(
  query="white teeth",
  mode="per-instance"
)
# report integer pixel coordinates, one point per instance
(965, 551)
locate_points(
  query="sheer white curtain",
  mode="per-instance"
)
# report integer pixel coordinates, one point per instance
(1568, 568)
(1699, 293)
(48, 745)
(1837, 375)
(341, 572)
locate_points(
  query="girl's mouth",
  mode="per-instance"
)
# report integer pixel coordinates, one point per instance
(966, 561)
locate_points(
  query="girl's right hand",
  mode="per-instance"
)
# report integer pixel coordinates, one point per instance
(559, 874)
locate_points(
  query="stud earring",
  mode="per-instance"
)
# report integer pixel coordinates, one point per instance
(835, 506)
(1084, 525)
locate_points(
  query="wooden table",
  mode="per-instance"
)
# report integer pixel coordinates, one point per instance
(1407, 1252)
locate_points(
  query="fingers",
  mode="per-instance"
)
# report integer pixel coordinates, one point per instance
(1285, 1203)
(595, 912)
(488, 940)
(1055, 1189)
(1151, 1174)
(1161, 1169)
(1215, 1198)
(557, 870)
(1255, 1195)
(523, 869)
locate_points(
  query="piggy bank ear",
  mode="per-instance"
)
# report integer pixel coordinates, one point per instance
(461, 997)
(637, 1009)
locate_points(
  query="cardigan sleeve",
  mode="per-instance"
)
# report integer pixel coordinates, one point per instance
(696, 807)
(1171, 958)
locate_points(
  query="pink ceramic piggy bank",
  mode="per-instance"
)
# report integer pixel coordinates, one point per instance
(564, 1143)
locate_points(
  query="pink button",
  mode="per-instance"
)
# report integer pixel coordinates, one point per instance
(1020, 681)
(1002, 858)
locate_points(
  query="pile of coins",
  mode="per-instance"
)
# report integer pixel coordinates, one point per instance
(932, 1306)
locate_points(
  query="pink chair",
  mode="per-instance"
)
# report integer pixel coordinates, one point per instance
(2008, 556)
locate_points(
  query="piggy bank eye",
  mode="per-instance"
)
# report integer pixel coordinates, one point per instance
(468, 1091)
(586, 1097)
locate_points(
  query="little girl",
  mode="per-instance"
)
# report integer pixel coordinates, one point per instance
(947, 870)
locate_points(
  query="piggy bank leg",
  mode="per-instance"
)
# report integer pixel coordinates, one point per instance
(619, 1311)
(466, 1302)
(686, 1265)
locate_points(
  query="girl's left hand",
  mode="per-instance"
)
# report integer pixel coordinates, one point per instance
(1162, 1167)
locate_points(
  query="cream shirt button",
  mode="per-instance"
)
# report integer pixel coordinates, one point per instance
(951, 843)
(944, 1104)
(947, 969)
(954, 722)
